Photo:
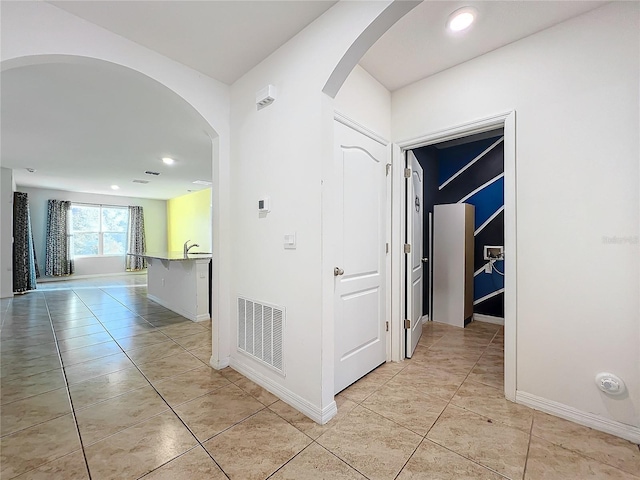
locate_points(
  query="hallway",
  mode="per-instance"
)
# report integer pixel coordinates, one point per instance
(99, 382)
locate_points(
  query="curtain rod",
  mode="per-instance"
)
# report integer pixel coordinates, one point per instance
(99, 204)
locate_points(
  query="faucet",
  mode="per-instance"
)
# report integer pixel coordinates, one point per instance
(187, 248)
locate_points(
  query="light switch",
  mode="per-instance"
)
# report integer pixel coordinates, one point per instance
(290, 241)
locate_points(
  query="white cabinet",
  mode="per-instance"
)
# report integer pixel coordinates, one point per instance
(180, 284)
(453, 226)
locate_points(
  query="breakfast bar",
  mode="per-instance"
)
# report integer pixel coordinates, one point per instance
(180, 282)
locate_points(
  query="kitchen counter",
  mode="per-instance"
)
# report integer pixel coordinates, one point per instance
(174, 256)
(180, 283)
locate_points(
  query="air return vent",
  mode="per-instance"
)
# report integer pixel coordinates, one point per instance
(140, 181)
(260, 332)
(149, 172)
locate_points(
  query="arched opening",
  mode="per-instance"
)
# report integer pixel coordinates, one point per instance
(83, 124)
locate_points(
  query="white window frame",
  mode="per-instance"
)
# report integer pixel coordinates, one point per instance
(101, 232)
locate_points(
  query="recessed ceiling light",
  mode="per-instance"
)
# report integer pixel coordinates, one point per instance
(115, 187)
(168, 160)
(202, 182)
(461, 19)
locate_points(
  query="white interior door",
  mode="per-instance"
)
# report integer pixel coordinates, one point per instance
(360, 298)
(414, 268)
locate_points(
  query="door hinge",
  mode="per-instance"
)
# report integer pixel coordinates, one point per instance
(407, 324)
(386, 247)
(387, 326)
(407, 248)
(388, 169)
(407, 173)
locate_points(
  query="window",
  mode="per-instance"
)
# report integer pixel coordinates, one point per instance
(99, 230)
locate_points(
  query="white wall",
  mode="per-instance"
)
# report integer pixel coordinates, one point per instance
(365, 100)
(155, 224)
(6, 233)
(575, 90)
(278, 152)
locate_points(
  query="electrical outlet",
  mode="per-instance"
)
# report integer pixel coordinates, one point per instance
(492, 252)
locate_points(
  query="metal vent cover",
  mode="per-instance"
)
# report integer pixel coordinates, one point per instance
(260, 332)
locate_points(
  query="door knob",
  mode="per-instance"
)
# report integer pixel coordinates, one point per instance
(425, 260)
(338, 271)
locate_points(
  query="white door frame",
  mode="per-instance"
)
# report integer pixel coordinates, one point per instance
(506, 120)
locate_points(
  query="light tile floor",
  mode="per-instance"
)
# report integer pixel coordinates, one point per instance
(99, 382)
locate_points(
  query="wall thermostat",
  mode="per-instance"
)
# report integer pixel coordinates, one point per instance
(264, 205)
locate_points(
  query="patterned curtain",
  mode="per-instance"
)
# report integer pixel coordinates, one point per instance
(136, 242)
(25, 268)
(58, 261)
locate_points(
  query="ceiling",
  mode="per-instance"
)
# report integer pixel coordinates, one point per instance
(86, 127)
(222, 39)
(418, 45)
(414, 48)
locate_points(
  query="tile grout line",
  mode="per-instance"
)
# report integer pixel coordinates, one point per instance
(152, 386)
(424, 437)
(578, 452)
(410, 457)
(285, 463)
(266, 407)
(449, 403)
(132, 362)
(199, 443)
(141, 477)
(66, 381)
(526, 459)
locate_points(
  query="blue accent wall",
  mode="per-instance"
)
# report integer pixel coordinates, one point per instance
(487, 201)
(454, 159)
(445, 162)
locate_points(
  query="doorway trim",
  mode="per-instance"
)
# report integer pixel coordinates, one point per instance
(507, 121)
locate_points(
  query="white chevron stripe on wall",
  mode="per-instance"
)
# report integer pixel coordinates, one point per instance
(469, 195)
(489, 148)
(488, 221)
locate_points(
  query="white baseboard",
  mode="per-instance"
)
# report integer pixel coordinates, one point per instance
(425, 319)
(479, 317)
(178, 310)
(619, 429)
(73, 276)
(320, 416)
(219, 365)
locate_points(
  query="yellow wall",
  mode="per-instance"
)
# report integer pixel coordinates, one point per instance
(189, 218)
